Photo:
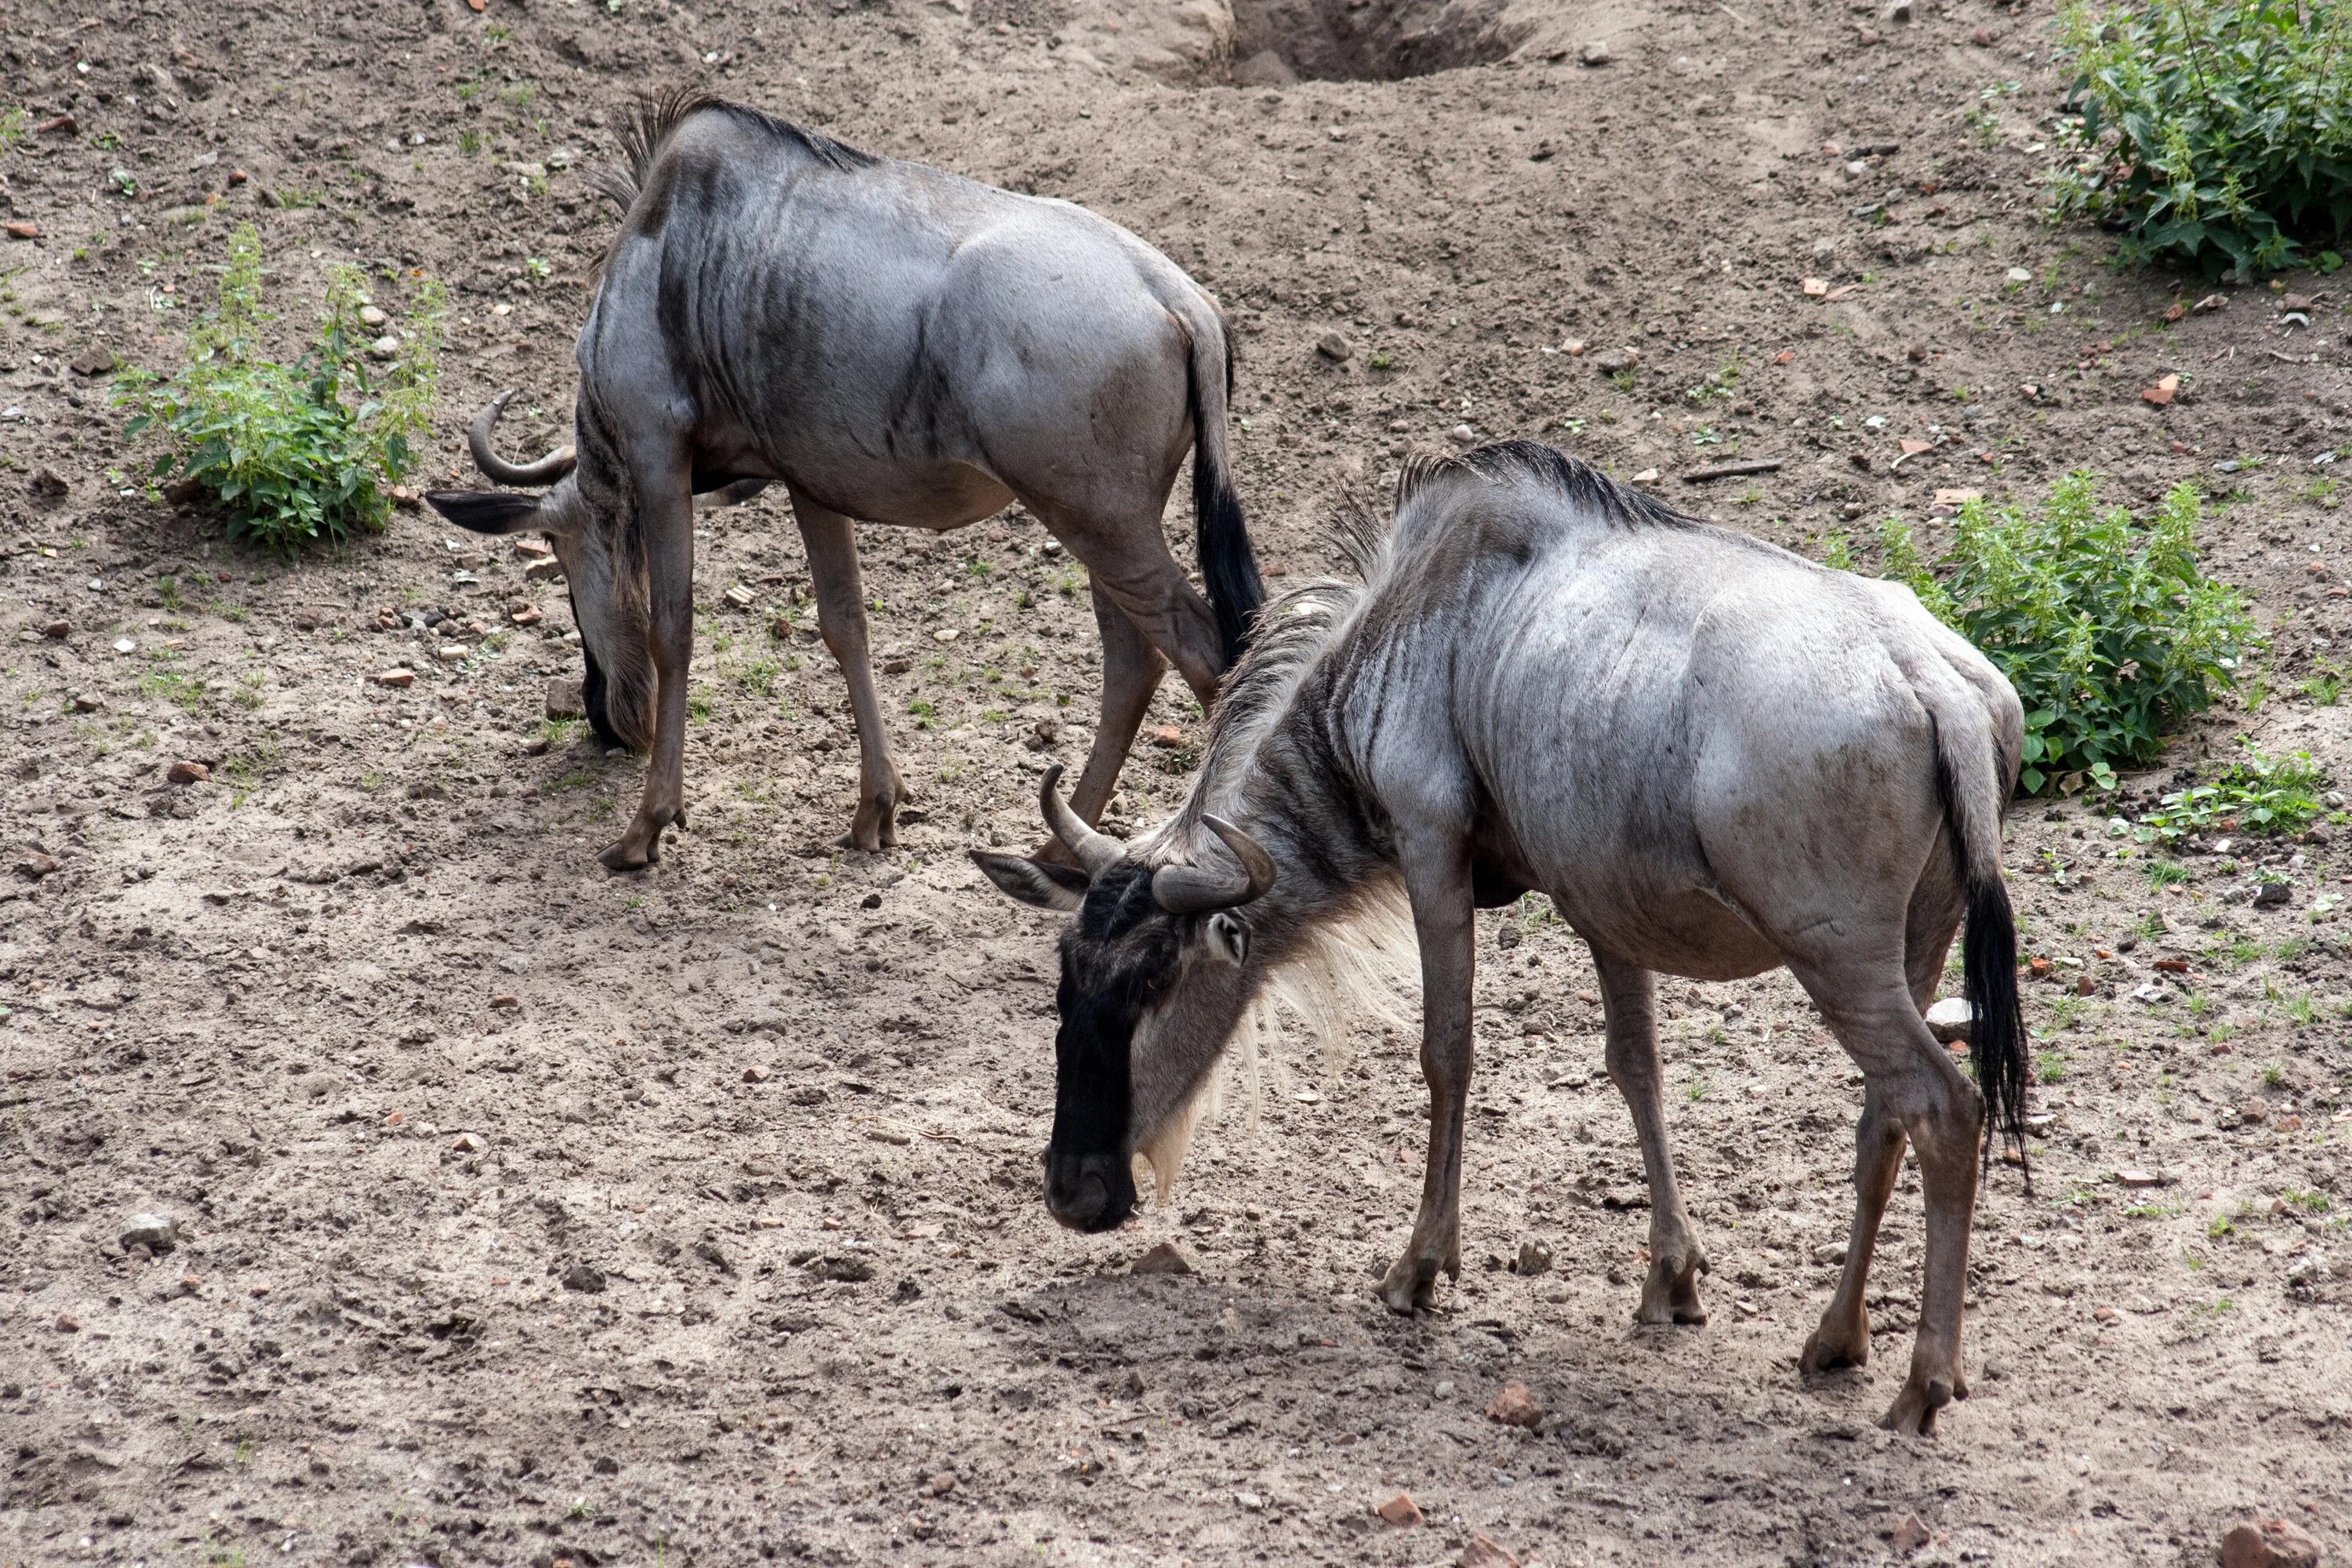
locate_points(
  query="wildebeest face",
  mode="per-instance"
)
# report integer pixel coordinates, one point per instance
(1148, 997)
(582, 516)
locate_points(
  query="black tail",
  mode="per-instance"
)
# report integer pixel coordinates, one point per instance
(1228, 566)
(1997, 1038)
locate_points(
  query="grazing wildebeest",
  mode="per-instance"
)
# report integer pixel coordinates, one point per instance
(1715, 756)
(895, 344)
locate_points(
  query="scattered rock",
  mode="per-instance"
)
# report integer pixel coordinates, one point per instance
(1515, 1406)
(1400, 1510)
(157, 1233)
(1830, 1252)
(1949, 1020)
(453, 653)
(68, 1323)
(2255, 1111)
(2211, 302)
(2270, 895)
(740, 596)
(505, 1003)
(1167, 737)
(565, 697)
(57, 631)
(96, 360)
(1163, 1258)
(1610, 362)
(466, 1143)
(1535, 1257)
(544, 570)
(1463, 435)
(2139, 1178)
(1595, 55)
(384, 347)
(2268, 1543)
(755, 1073)
(584, 1276)
(1816, 288)
(1484, 1553)
(2162, 392)
(370, 316)
(87, 702)
(24, 231)
(942, 1483)
(1910, 1535)
(1335, 348)
(396, 679)
(185, 771)
(47, 486)
(36, 865)
(1900, 11)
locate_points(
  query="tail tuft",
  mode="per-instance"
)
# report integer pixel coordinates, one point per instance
(1997, 1037)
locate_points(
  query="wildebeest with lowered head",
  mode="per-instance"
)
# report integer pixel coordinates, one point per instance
(895, 344)
(1715, 756)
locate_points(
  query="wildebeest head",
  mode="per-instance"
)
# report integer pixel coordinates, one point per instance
(1155, 974)
(608, 591)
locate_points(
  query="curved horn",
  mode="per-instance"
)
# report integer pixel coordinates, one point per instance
(1197, 889)
(1097, 852)
(545, 471)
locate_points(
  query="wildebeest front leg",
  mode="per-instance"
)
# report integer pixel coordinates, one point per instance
(1629, 1009)
(665, 493)
(1442, 918)
(831, 541)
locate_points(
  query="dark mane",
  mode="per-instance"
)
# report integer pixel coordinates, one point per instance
(1582, 485)
(654, 118)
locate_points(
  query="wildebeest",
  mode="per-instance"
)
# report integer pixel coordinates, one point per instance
(1715, 756)
(895, 344)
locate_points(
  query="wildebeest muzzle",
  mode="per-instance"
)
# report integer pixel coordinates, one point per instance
(1088, 1191)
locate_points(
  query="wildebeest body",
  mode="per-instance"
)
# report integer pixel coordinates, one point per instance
(1716, 757)
(895, 344)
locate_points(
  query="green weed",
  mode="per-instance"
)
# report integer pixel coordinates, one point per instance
(291, 454)
(2109, 631)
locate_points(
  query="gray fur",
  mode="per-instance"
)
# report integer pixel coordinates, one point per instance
(893, 344)
(1715, 756)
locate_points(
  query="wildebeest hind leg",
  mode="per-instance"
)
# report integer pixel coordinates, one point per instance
(831, 541)
(1132, 672)
(1843, 1337)
(1131, 564)
(1628, 1001)
(1912, 1090)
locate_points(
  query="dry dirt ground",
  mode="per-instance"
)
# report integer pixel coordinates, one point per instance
(527, 1214)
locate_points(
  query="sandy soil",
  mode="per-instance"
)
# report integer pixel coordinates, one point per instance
(528, 1215)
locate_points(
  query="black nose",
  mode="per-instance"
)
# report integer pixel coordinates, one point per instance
(1088, 1191)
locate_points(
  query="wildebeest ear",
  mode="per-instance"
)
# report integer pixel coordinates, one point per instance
(1046, 885)
(487, 511)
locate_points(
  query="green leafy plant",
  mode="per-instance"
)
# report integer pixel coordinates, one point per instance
(2216, 133)
(2108, 630)
(2254, 793)
(291, 453)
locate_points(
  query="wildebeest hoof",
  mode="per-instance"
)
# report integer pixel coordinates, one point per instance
(876, 827)
(1913, 1413)
(640, 847)
(1829, 1347)
(1411, 1286)
(1670, 1293)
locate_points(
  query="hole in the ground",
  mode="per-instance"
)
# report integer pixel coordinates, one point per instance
(1277, 41)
